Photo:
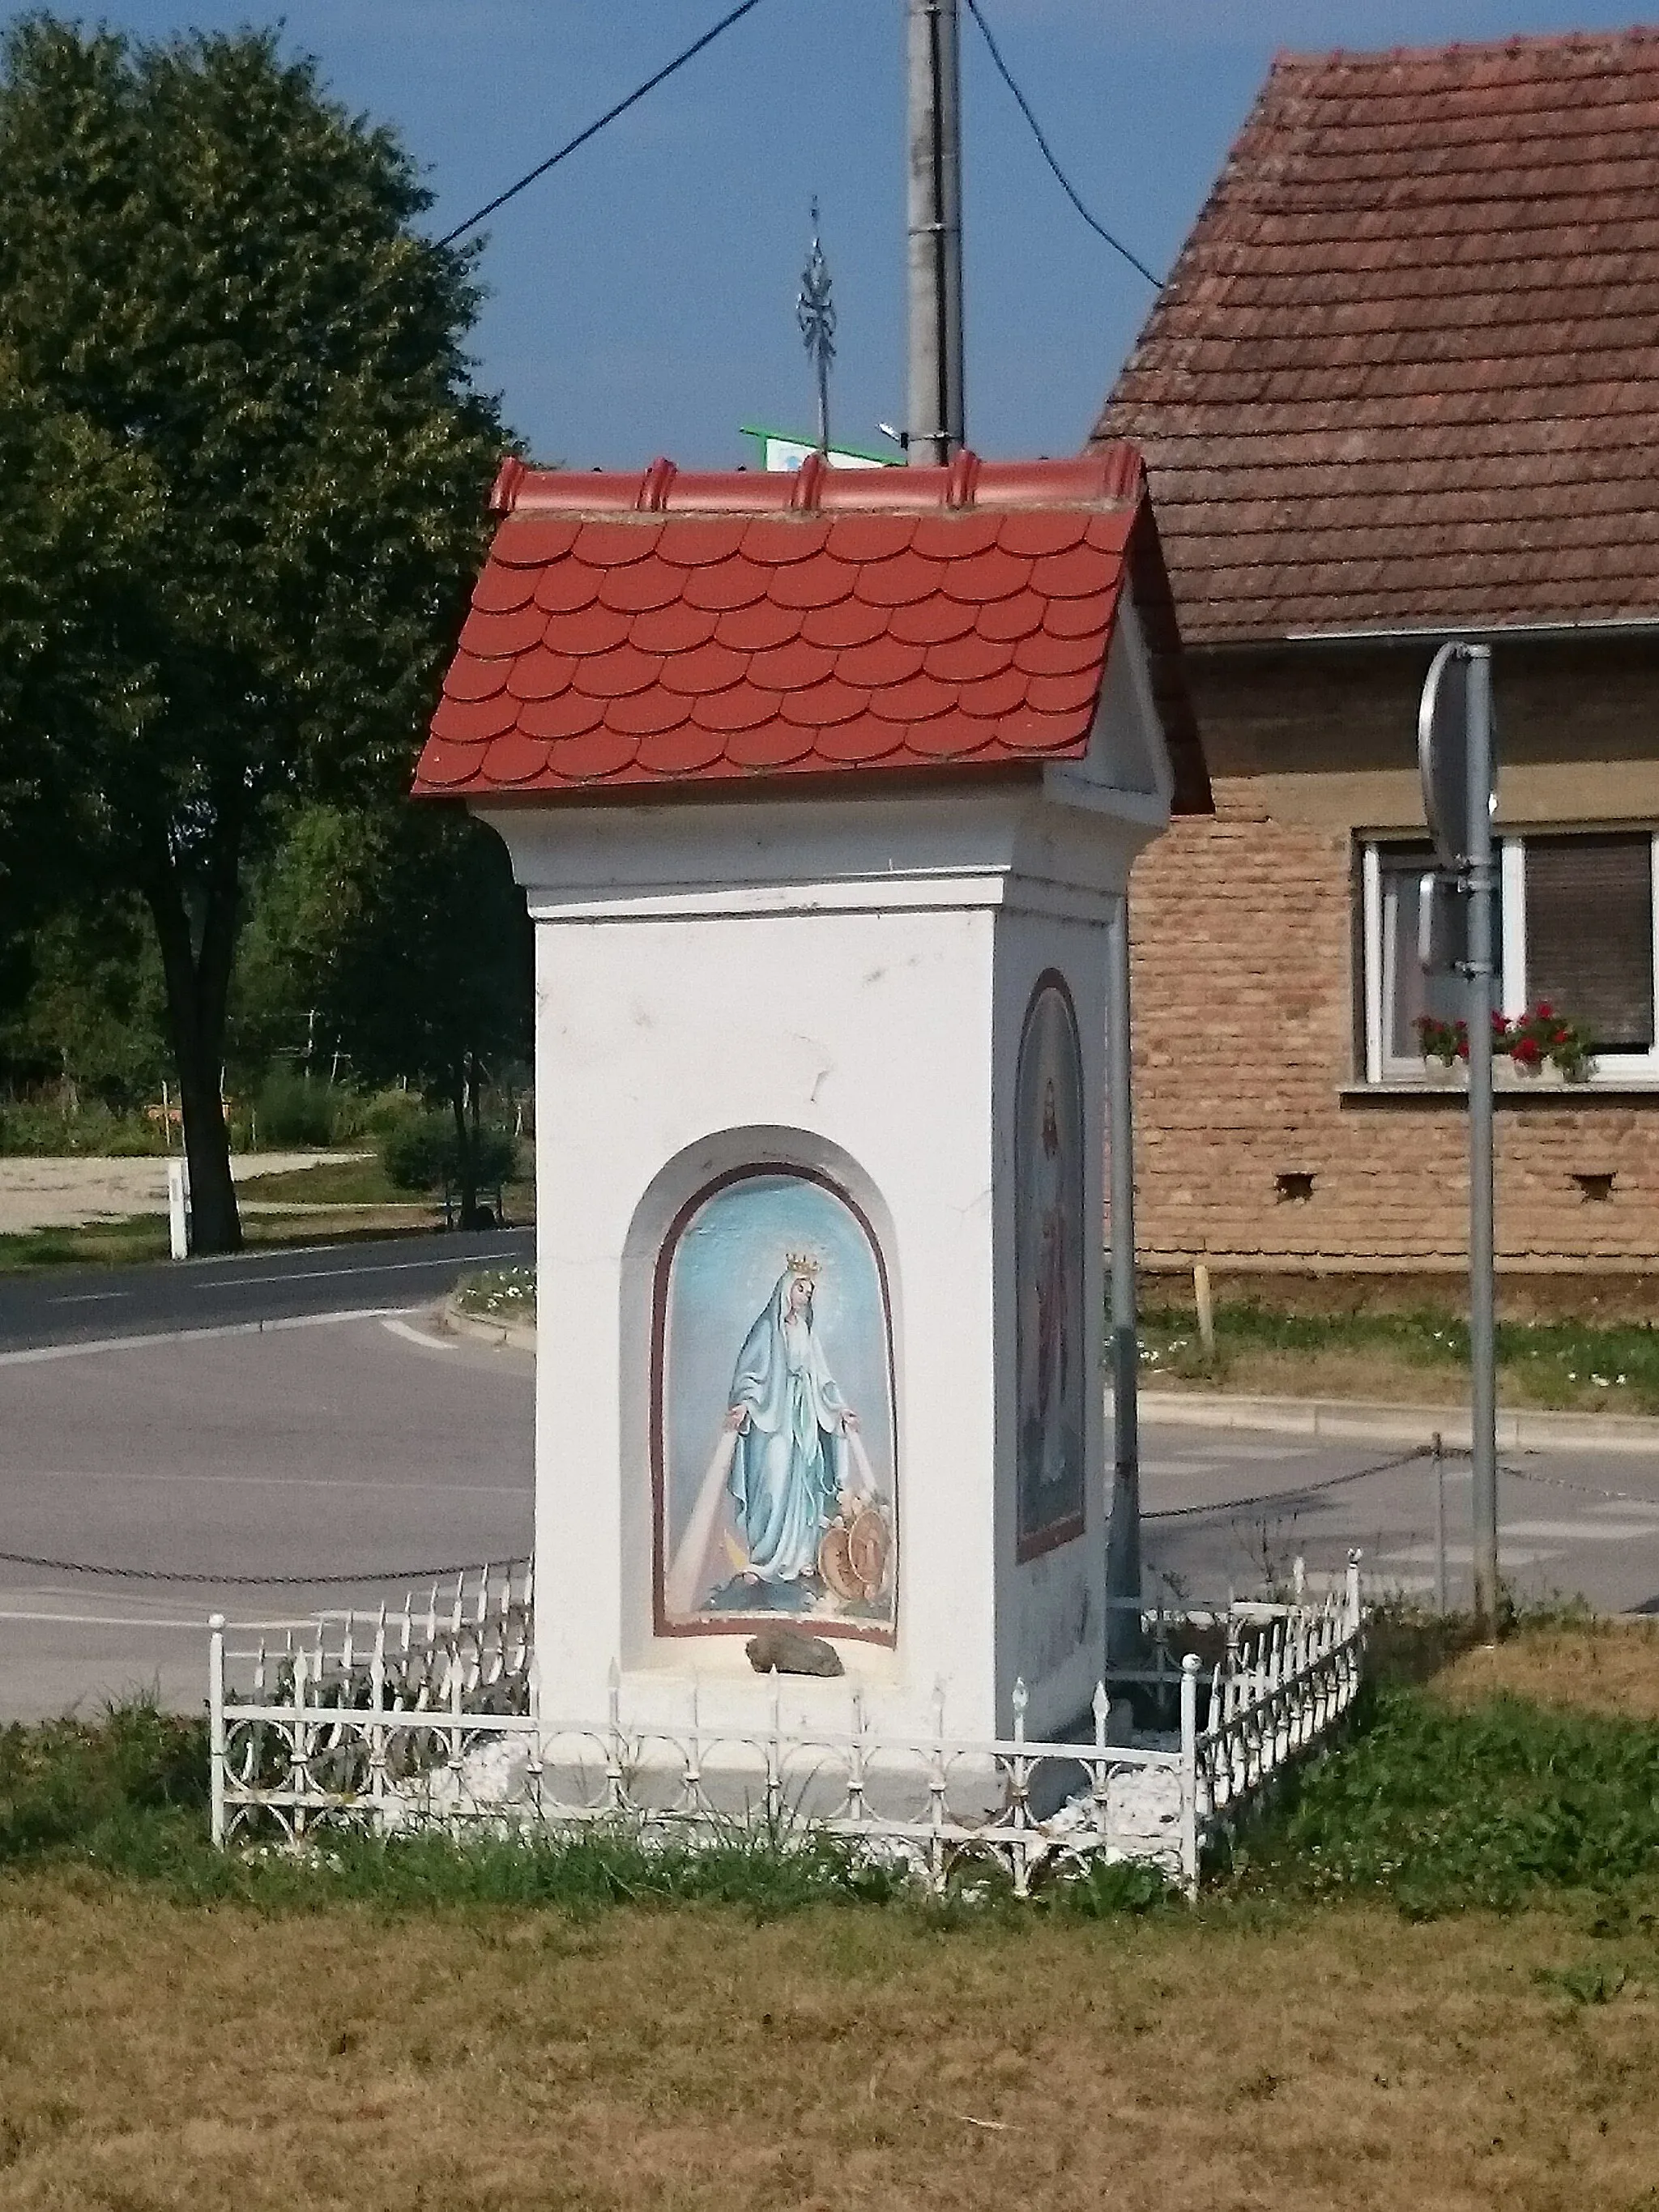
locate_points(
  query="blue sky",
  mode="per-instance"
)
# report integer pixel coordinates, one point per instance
(642, 296)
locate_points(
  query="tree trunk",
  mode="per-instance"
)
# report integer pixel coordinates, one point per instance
(469, 1157)
(197, 974)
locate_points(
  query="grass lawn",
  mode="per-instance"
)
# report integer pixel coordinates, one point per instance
(693, 2058)
(365, 1182)
(1344, 2022)
(144, 1237)
(1611, 1367)
(100, 1244)
(351, 1200)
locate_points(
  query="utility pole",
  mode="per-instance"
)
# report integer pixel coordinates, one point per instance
(1457, 759)
(936, 419)
(1123, 1523)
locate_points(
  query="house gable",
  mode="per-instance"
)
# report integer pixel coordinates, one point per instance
(1404, 374)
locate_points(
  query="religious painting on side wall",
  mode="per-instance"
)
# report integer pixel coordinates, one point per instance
(1048, 1249)
(773, 1430)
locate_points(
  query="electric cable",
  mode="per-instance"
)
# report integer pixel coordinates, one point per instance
(1048, 153)
(595, 129)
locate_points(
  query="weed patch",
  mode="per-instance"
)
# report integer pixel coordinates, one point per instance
(505, 1294)
(1589, 1366)
(1443, 1808)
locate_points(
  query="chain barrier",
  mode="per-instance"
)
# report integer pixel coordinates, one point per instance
(1233, 1506)
(1558, 1481)
(1227, 1508)
(238, 1582)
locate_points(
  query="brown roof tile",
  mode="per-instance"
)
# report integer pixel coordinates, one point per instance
(1406, 371)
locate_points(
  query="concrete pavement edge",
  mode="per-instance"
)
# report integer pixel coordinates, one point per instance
(507, 1335)
(1518, 1429)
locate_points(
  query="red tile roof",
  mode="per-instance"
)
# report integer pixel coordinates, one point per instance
(1406, 370)
(635, 632)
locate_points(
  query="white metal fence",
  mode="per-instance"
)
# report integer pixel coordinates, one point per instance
(425, 1718)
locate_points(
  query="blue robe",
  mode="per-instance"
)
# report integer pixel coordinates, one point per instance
(789, 1464)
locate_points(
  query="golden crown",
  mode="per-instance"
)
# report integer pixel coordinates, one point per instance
(802, 1263)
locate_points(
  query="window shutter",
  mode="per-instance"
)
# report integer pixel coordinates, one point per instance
(1589, 934)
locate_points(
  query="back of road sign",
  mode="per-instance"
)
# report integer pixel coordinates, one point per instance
(1442, 755)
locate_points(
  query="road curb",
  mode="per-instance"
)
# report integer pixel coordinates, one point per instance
(1517, 1430)
(505, 1335)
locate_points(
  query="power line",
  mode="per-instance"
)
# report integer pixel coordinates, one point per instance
(1064, 182)
(593, 129)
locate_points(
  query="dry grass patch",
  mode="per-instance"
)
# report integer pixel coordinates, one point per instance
(1373, 1375)
(1595, 1666)
(1281, 1351)
(836, 2060)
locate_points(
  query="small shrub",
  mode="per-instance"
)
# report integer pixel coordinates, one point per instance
(497, 1157)
(421, 1153)
(418, 1151)
(387, 1110)
(96, 1131)
(292, 1112)
(77, 1784)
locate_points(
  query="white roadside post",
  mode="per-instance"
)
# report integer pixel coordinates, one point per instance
(178, 1207)
(216, 1723)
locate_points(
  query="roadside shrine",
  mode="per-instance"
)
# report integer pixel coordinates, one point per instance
(822, 788)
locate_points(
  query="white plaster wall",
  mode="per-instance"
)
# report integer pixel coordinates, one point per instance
(863, 1035)
(841, 984)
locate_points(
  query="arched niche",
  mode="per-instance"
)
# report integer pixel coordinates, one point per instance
(1049, 1241)
(760, 1394)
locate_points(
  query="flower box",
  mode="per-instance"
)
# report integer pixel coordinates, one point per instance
(1539, 1047)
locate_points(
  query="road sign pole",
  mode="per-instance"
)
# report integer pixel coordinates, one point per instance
(1483, 1395)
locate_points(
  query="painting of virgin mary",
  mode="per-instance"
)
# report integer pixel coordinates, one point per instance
(1048, 1245)
(777, 1496)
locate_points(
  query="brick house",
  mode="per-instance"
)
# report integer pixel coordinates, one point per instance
(1403, 385)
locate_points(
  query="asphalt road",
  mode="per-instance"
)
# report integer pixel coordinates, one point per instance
(1228, 1512)
(80, 1305)
(366, 1447)
(304, 1454)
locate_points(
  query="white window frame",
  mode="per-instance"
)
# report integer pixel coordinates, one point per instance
(1382, 1069)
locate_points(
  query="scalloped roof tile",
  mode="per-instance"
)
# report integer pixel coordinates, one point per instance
(635, 632)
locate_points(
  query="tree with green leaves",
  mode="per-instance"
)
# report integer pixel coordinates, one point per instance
(249, 468)
(78, 516)
(408, 932)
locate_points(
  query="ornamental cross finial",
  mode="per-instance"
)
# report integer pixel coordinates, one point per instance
(814, 312)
